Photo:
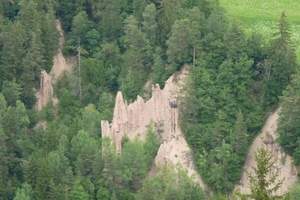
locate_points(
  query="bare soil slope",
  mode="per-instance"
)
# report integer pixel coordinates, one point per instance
(45, 93)
(283, 162)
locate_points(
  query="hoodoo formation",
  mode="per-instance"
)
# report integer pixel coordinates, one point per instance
(162, 110)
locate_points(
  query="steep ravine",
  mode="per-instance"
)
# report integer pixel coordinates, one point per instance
(284, 163)
(45, 93)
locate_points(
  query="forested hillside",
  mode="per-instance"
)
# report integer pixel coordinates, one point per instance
(58, 152)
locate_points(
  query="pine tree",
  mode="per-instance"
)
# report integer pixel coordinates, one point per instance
(49, 38)
(138, 8)
(29, 17)
(149, 22)
(179, 48)
(32, 67)
(3, 154)
(11, 90)
(24, 193)
(262, 188)
(78, 192)
(108, 13)
(239, 136)
(68, 180)
(44, 176)
(282, 62)
(136, 44)
(282, 38)
(13, 52)
(167, 12)
(31, 170)
(289, 122)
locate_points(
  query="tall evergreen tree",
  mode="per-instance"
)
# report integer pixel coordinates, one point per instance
(3, 163)
(108, 14)
(137, 53)
(24, 193)
(29, 17)
(13, 52)
(78, 192)
(280, 64)
(138, 8)
(260, 186)
(168, 12)
(289, 124)
(32, 66)
(282, 38)
(179, 46)
(44, 176)
(149, 22)
(49, 38)
(11, 90)
(31, 170)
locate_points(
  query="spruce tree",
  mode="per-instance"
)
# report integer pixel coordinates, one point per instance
(43, 182)
(13, 52)
(49, 38)
(32, 66)
(261, 187)
(31, 171)
(11, 90)
(282, 38)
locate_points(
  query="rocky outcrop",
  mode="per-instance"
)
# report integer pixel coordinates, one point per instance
(161, 108)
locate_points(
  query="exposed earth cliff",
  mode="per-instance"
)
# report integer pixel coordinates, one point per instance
(162, 110)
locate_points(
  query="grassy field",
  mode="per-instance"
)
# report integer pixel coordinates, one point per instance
(262, 16)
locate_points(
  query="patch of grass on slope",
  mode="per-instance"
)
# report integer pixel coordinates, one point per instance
(262, 15)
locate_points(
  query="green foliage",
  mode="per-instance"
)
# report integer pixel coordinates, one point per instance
(68, 104)
(43, 180)
(49, 38)
(295, 192)
(137, 54)
(11, 91)
(151, 144)
(260, 186)
(108, 13)
(149, 22)
(179, 48)
(235, 78)
(24, 193)
(31, 170)
(92, 72)
(129, 87)
(78, 192)
(133, 159)
(91, 121)
(168, 12)
(13, 51)
(288, 123)
(48, 112)
(171, 182)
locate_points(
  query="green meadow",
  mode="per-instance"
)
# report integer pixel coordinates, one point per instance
(262, 15)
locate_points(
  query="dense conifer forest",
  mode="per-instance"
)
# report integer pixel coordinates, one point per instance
(236, 79)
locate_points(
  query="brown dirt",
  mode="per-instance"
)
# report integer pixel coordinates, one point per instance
(283, 162)
(45, 93)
